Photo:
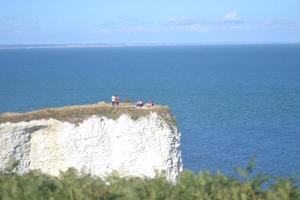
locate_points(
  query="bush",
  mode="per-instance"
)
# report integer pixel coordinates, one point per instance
(190, 186)
(127, 100)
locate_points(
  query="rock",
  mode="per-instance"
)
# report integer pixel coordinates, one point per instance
(98, 145)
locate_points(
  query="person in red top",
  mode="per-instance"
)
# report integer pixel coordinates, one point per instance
(117, 100)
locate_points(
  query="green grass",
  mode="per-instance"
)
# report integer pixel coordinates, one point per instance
(190, 186)
(78, 113)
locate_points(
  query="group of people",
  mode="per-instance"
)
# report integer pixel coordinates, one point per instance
(115, 101)
(140, 103)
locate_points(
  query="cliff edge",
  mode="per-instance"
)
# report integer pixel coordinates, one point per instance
(96, 138)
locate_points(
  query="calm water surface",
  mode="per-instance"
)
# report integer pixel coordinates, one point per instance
(231, 102)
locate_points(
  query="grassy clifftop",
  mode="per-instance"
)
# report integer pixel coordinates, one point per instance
(78, 113)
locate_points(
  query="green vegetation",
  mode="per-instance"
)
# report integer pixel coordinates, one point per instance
(78, 113)
(190, 186)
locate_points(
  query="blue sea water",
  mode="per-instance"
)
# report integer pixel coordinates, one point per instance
(231, 102)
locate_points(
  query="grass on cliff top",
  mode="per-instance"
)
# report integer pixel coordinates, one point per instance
(78, 113)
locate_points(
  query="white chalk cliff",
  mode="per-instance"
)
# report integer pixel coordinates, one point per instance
(98, 145)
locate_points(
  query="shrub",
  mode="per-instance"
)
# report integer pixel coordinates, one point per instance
(195, 186)
(127, 100)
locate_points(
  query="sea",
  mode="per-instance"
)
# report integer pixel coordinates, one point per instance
(232, 103)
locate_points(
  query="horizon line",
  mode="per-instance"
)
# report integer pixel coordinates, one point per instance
(145, 44)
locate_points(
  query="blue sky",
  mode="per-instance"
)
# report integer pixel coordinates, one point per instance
(148, 21)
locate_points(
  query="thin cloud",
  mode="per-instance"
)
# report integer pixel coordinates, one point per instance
(12, 18)
(232, 17)
(182, 21)
(228, 22)
(8, 21)
(277, 24)
(122, 21)
(13, 26)
(231, 21)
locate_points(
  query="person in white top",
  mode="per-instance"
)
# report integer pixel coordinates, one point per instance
(113, 101)
(139, 103)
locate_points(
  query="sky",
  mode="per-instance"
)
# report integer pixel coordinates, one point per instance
(148, 21)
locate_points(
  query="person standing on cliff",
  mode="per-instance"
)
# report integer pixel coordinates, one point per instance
(117, 100)
(113, 101)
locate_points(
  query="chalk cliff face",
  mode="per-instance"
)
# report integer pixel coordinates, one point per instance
(97, 145)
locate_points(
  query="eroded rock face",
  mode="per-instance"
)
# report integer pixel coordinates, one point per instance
(97, 145)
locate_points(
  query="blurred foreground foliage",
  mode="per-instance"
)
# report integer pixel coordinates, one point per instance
(190, 186)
